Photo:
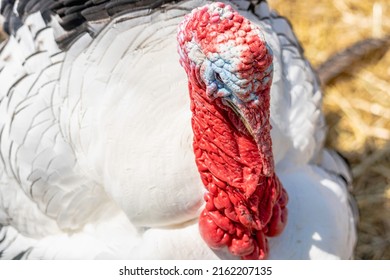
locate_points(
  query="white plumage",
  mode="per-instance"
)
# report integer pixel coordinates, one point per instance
(96, 156)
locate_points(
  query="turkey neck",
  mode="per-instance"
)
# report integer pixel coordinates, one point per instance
(244, 204)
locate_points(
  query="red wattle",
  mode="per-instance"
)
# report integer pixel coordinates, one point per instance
(233, 216)
(211, 233)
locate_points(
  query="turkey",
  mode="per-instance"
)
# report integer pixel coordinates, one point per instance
(139, 129)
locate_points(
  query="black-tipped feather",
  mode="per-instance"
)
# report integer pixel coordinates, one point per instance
(72, 12)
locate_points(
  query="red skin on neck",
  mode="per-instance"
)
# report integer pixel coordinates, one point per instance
(228, 162)
(243, 204)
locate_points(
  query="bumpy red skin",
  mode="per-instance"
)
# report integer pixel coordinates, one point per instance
(245, 202)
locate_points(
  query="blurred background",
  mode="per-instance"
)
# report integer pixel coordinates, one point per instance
(356, 104)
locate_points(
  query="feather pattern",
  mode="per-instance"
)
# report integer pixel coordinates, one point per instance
(96, 155)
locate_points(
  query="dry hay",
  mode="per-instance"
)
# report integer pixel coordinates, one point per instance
(357, 106)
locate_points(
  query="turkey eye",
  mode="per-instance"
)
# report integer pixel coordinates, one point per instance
(218, 77)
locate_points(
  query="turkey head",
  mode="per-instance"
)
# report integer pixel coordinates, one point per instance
(229, 69)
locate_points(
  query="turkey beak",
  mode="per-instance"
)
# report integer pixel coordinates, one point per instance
(255, 117)
(239, 113)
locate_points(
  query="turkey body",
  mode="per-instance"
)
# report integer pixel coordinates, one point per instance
(96, 144)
